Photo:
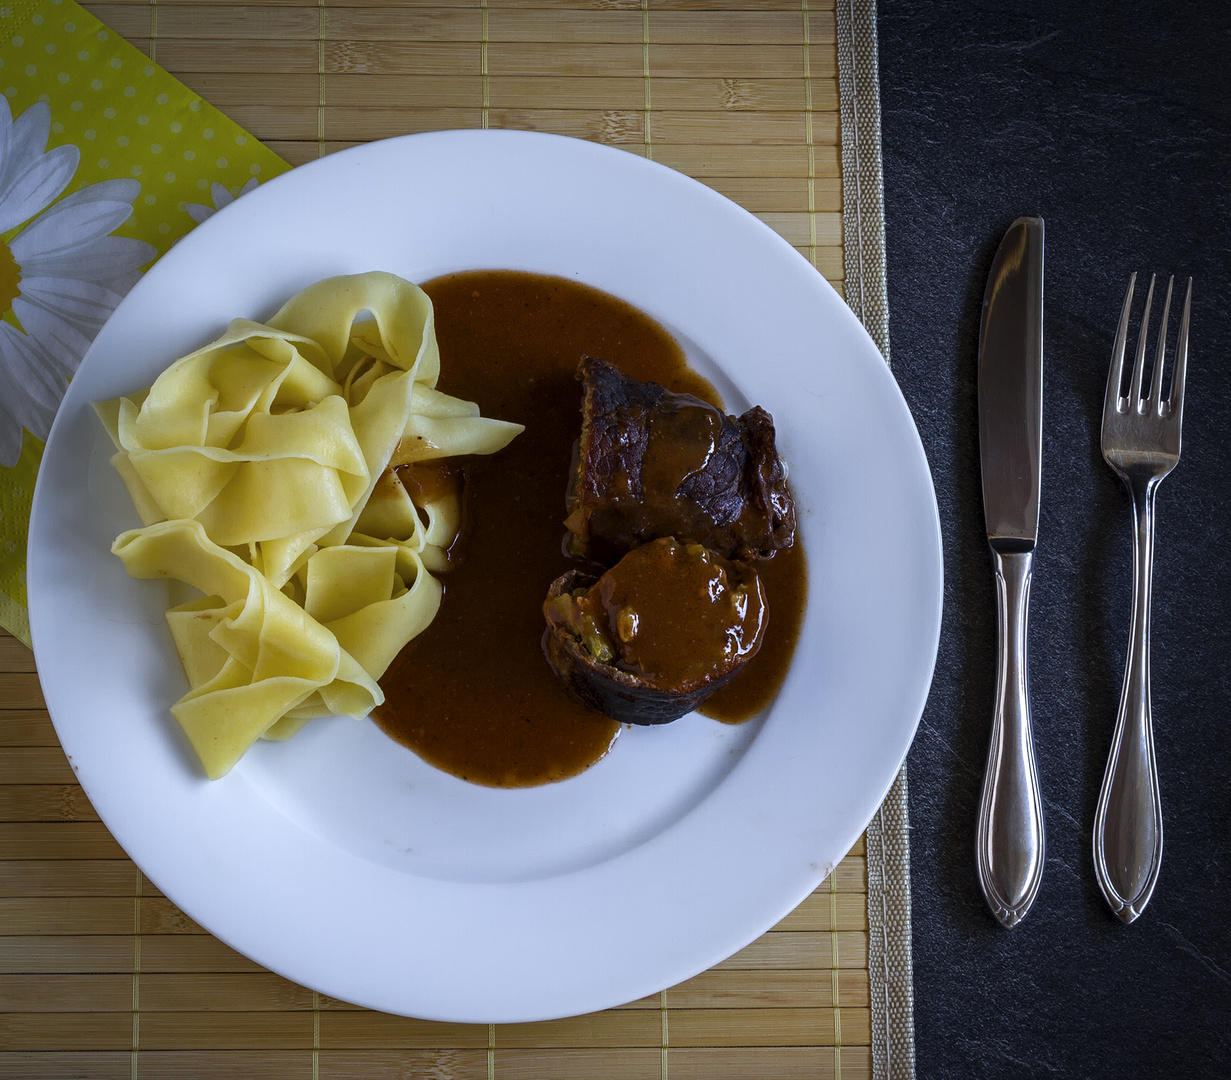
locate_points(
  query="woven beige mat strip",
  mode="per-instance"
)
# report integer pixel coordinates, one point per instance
(888, 835)
(100, 975)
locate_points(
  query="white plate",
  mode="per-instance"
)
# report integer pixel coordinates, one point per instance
(340, 859)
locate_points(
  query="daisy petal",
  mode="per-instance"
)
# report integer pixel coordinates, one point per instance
(10, 436)
(27, 365)
(23, 141)
(63, 343)
(36, 185)
(30, 131)
(105, 191)
(17, 412)
(6, 141)
(70, 298)
(14, 417)
(103, 260)
(66, 228)
(66, 320)
(122, 190)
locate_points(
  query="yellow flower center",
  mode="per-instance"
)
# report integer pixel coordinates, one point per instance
(10, 279)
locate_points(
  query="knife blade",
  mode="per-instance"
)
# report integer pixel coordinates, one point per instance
(1010, 843)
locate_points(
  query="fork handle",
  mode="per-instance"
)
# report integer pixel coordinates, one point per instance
(1128, 825)
(1010, 838)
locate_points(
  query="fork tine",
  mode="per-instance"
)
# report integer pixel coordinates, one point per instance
(1139, 364)
(1160, 354)
(1175, 397)
(1111, 403)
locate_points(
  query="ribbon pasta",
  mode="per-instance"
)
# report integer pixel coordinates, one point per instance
(263, 467)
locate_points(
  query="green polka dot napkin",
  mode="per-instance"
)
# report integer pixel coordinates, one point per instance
(105, 161)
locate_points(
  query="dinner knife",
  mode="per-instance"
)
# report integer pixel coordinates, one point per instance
(1010, 837)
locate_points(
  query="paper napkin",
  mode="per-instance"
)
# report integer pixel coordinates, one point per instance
(105, 161)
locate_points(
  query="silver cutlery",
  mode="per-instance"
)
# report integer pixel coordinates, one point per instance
(1010, 843)
(1141, 442)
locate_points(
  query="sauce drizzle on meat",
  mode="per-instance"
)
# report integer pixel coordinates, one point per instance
(473, 694)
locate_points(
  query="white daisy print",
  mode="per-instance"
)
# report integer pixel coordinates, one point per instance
(61, 276)
(199, 212)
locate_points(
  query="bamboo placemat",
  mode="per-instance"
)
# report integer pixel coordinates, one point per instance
(100, 975)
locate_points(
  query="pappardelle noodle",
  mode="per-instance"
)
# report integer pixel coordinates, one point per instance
(263, 467)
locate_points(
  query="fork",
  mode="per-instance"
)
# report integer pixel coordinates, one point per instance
(1141, 442)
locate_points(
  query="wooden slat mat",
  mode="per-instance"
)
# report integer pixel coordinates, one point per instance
(100, 975)
(746, 100)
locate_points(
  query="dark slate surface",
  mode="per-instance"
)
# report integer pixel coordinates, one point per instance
(1112, 121)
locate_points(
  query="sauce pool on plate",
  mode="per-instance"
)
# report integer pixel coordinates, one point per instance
(473, 694)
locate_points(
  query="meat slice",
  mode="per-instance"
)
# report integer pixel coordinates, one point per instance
(653, 463)
(655, 635)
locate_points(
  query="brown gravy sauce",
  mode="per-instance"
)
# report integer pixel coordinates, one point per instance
(473, 694)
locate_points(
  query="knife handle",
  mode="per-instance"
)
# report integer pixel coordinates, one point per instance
(1010, 840)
